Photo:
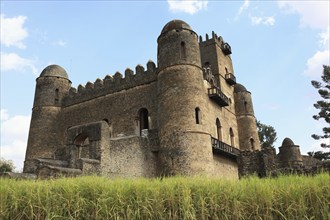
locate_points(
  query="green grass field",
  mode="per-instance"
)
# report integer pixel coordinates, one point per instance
(92, 197)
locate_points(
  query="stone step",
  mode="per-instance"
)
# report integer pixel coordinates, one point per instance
(52, 162)
(48, 171)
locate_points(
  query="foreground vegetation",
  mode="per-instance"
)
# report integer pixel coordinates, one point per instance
(91, 197)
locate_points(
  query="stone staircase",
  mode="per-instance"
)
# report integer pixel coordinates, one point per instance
(51, 168)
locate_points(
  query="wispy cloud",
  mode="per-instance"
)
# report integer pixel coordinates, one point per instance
(243, 7)
(268, 21)
(187, 6)
(12, 31)
(313, 14)
(13, 62)
(61, 43)
(14, 134)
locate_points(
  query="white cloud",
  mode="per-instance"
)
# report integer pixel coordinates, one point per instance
(268, 21)
(324, 38)
(316, 62)
(314, 14)
(14, 134)
(13, 62)
(4, 114)
(187, 6)
(61, 43)
(243, 7)
(12, 31)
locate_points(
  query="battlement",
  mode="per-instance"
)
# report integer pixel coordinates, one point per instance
(214, 38)
(225, 47)
(112, 84)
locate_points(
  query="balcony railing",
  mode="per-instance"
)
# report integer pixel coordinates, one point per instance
(224, 149)
(216, 95)
(226, 49)
(230, 79)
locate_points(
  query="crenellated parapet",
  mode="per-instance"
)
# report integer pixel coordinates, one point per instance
(112, 84)
(225, 47)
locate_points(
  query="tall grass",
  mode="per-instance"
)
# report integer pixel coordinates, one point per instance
(91, 197)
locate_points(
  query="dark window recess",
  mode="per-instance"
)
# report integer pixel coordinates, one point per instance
(197, 115)
(144, 121)
(183, 50)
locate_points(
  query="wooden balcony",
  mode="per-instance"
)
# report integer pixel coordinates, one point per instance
(219, 147)
(226, 49)
(230, 79)
(216, 95)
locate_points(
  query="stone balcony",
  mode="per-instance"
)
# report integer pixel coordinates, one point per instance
(217, 96)
(230, 79)
(219, 147)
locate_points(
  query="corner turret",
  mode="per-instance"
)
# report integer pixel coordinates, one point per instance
(185, 143)
(246, 121)
(52, 86)
(289, 154)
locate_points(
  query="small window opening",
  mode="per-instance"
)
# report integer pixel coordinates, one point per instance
(183, 50)
(56, 96)
(232, 137)
(245, 107)
(198, 115)
(144, 121)
(226, 70)
(219, 132)
(252, 143)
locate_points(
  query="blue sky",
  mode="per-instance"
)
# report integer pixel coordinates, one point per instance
(278, 48)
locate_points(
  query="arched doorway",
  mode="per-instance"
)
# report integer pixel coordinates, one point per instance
(143, 119)
(232, 137)
(219, 131)
(82, 144)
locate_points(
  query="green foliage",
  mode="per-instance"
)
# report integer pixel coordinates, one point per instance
(323, 105)
(6, 166)
(267, 135)
(91, 197)
(320, 155)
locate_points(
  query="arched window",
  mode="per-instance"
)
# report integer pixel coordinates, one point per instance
(183, 50)
(198, 115)
(252, 143)
(219, 131)
(56, 96)
(232, 140)
(245, 107)
(82, 141)
(143, 119)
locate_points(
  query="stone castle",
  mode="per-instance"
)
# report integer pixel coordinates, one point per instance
(184, 116)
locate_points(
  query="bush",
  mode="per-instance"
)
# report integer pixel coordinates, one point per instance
(6, 165)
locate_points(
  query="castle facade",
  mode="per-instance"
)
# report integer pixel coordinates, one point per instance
(184, 116)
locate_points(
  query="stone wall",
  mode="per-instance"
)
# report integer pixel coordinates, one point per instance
(130, 156)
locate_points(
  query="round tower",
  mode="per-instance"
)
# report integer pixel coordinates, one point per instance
(246, 121)
(289, 154)
(52, 85)
(185, 145)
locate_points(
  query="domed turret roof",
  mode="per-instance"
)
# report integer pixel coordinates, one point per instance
(239, 88)
(54, 70)
(287, 142)
(175, 24)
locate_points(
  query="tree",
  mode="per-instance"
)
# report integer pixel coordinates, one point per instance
(320, 155)
(6, 165)
(267, 135)
(323, 105)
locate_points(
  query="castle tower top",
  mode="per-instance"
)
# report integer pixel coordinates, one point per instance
(239, 88)
(287, 142)
(175, 24)
(54, 70)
